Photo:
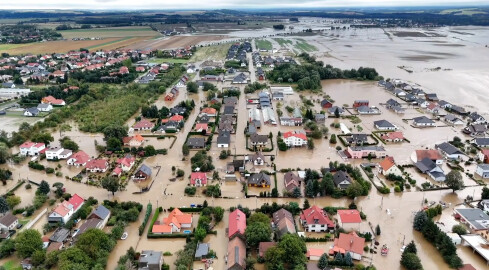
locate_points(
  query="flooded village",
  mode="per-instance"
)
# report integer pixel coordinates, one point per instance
(279, 149)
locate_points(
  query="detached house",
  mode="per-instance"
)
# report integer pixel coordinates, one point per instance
(384, 125)
(63, 212)
(133, 141)
(258, 159)
(236, 254)
(476, 118)
(349, 220)
(144, 124)
(237, 224)
(388, 166)
(57, 153)
(198, 179)
(294, 139)
(348, 243)
(326, 104)
(78, 159)
(429, 167)
(482, 170)
(32, 149)
(342, 180)
(431, 154)
(395, 136)
(31, 112)
(143, 173)
(97, 165)
(259, 180)
(450, 151)
(475, 130)
(291, 182)
(423, 121)
(283, 222)
(314, 219)
(126, 162)
(258, 141)
(175, 222)
(7, 222)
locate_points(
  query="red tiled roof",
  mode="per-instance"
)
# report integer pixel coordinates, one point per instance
(237, 223)
(97, 164)
(209, 110)
(143, 124)
(176, 118)
(349, 242)
(264, 246)
(27, 145)
(393, 135)
(316, 215)
(387, 163)
(349, 216)
(202, 126)
(431, 154)
(198, 175)
(314, 252)
(76, 201)
(63, 208)
(295, 134)
(80, 157)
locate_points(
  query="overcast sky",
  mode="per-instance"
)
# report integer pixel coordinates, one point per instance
(217, 4)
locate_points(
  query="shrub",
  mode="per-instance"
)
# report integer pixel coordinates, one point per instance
(190, 190)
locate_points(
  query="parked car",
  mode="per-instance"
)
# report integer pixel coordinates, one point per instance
(124, 236)
(19, 225)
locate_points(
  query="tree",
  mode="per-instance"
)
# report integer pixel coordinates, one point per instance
(192, 87)
(73, 258)
(310, 193)
(377, 230)
(43, 187)
(185, 150)
(257, 232)
(332, 139)
(7, 248)
(149, 151)
(296, 193)
(43, 137)
(411, 261)
(310, 144)
(13, 201)
(114, 144)
(420, 220)
(218, 213)
(411, 248)
(294, 247)
(338, 259)
(348, 259)
(113, 131)
(95, 243)
(337, 112)
(323, 261)
(4, 154)
(38, 257)
(200, 234)
(274, 257)
(454, 180)
(258, 217)
(306, 204)
(28, 242)
(459, 229)
(354, 190)
(67, 143)
(111, 184)
(485, 193)
(3, 205)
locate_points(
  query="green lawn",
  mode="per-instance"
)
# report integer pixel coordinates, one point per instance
(262, 44)
(214, 52)
(302, 45)
(168, 60)
(10, 265)
(283, 42)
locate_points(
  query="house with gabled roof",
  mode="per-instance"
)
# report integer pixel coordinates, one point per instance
(236, 254)
(349, 220)
(237, 224)
(395, 136)
(31, 112)
(315, 219)
(429, 167)
(78, 159)
(259, 180)
(175, 222)
(342, 180)
(388, 166)
(198, 179)
(450, 151)
(431, 154)
(348, 243)
(143, 124)
(423, 121)
(476, 118)
(283, 222)
(453, 120)
(133, 141)
(384, 125)
(64, 211)
(143, 173)
(291, 182)
(258, 159)
(102, 213)
(475, 130)
(97, 165)
(32, 148)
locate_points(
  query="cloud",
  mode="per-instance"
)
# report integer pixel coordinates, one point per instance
(216, 4)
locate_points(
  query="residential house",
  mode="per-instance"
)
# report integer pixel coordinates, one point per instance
(482, 170)
(349, 220)
(258, 159)
(348, 243)
(313, 254)
(97, 165)
(53, 101)
(367, 110)
(143, 173)
(392, 103)
(359, 103)
(236, 254)
(423, 121)
(172, 94)
(237, 224)
(66, 209)
(196, 143)
(78, 159)
(476, 219)
(150, 260)
(241, 78)
(133, 141)
(45, 107)
(7, 222)
(126, 162)
(458, 110)
(342, 180)
(202, 251)
(202, 128)
(294, 139)
(91, 223)
(259, 141)
(283, 222)
(395, 136)
(483, 155)
(60, 235)
(175, 222)
(57, 153)
(481, 142)
(384, 125)
(31, 112)
(334, 109)
(32, 149)
(388, 166)
(198, 179)
(475, 130)
(259, 180)
(429, 167)
(476, 118)
(143, 125)
(223, 139)
(326, 104)
(444, 104)
(102, 213)
(373, 151)
(450, 151)
(277, 96)
(319, 118)
(291, 182)
(208, 111)
(431, 154)
(291, 121)
(263, 247)
(453, 120)
(314, 219)
(357, 139)
(237, 165)
(431, 97)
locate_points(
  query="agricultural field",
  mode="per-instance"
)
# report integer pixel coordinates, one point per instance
(263, 44)
(217, 52)
(174, 42)
(130, 31)
(302, 45)
(463, 11)
(168, 60)
(283, 42)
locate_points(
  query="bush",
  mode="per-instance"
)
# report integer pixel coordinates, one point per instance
(190, 190)
(459, 229)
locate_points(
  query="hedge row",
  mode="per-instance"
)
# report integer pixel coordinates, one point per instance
(173, 235)
(149, 208)
(155, 217)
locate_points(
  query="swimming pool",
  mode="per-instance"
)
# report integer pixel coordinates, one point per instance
(187, 231)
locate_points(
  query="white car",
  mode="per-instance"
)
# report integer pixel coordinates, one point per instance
(403, 248)
(124, 236)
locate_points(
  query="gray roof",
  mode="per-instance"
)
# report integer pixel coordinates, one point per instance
(101, 211)
(224, 137)
(423, 119)
(228, 109)
(145, 169)
(448, 148)
(257, 138)
(196, 142)
(92, 223)
(43, 106)
(8, 219)
(475, 216)
(483, 166)
(481, 141)
(341, 176)
(368, 148)
(333, 109)
(202, 250)
(150, 257)
(383, 124)
(425, 165)
(391, 102)
(33, 110)
(259, 179)
(59, 235)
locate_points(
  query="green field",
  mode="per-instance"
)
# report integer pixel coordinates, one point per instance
(262, 44)
(10, 265)
(283, 42)
(302, 45)
(168, 60)
(130, 31)
(215, 52)
(108, 43)
(463, 11)
(6, 47)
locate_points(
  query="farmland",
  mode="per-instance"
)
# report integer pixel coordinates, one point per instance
(132, 31)
(217, 52)
(174, 42)
(262, 44)
(168, 60)
(302, 45)
(283, 42)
